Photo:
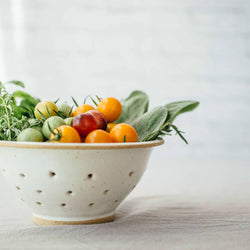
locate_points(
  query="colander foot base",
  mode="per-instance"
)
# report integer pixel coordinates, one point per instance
(44, 222)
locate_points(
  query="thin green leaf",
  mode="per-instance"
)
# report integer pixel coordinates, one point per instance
(17, 83)
(179, 133)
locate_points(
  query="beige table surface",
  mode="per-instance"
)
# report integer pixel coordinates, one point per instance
(163, 212)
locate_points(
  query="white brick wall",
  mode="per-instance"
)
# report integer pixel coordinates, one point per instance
(172, 49)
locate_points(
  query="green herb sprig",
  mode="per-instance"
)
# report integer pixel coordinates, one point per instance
(13, 117)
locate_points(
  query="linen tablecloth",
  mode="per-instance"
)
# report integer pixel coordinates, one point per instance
(157, 215)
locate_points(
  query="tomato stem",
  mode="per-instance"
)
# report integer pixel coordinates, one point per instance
(48, 111)
(56, 100)
(92, 99)
(70, 112)
(98, 98)
(75, 102)
(85, 99)
(43, 116)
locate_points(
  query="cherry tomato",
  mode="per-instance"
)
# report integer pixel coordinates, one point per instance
(51, 124)
(65, 110)
(101, 121)
(64, 134)
(68, 121)
(111, 108)
(98, 136)
(110, 126)
(82, 109)
(123, 132)
(30, 134)
(84, 123)
(46, 108)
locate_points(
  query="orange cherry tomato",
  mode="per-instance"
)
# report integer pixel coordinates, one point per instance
(110, 126)
(82, 109)
(111, 108)
(123, 132)
(98, 136)
(65, 133)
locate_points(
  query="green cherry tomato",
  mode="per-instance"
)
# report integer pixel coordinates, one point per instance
(65, 110)
(38, 129)
(51, 124)
(68, 121)
(30, 134)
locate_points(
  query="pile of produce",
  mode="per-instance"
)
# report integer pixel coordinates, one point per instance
(26, 118)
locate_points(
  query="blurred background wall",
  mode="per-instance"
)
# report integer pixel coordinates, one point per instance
(172, 49)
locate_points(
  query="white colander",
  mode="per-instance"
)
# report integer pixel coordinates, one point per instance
(74, 183)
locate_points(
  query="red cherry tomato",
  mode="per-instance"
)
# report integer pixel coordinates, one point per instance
(101, 120)
(84, 123)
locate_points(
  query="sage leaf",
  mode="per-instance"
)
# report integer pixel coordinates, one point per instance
(177, 108)
(134, 106)
(150, 124)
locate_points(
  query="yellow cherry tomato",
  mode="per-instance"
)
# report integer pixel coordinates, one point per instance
(123, 132)
(111, 108)
(98, 136)
(64, 134)
(110, 126)
(82, 109)
(45, 109)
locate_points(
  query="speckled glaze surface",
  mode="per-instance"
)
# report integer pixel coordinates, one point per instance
(74, 183)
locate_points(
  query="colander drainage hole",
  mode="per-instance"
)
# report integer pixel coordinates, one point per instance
(39, 203)
(90, 176)
(116, 201)
(39, 191)
(69, 192)
(131, 173)
(18, 188)
(91, 204)
(63, 204)
(52, 174)
(106, 191)
(22, 175)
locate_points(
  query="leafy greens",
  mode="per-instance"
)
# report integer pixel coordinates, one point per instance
(158, 122)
